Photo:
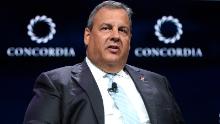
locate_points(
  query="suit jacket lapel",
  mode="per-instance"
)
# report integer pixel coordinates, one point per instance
(85, 79)
(146, 90)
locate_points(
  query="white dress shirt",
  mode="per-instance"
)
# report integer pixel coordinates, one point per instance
(112, 114)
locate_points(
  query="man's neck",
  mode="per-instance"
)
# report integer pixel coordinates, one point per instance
(107, 68)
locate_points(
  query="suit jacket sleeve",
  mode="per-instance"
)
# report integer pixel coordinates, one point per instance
(44, 108)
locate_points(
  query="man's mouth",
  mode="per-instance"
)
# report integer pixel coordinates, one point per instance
(113, 48)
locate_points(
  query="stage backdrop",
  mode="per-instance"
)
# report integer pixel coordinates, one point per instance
(178, 39)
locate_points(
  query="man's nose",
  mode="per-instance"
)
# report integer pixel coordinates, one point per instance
(115, 35)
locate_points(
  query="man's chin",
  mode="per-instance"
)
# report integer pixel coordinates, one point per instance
(113, 59)
(114, 62)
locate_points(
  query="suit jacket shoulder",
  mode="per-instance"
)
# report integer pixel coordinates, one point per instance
(63, 73)
(65, 95)
(144, 71)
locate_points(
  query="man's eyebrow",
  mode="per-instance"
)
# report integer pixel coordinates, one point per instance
(124, 27)
(106, 24)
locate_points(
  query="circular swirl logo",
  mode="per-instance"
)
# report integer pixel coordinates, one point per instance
(49, 25)
(161, 36)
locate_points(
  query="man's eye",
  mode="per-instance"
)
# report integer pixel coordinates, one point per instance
(105, 28)
(123, 30)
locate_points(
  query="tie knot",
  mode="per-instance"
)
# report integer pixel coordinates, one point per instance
(110, 76)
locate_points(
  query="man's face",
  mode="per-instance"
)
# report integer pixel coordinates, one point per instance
(108, 42)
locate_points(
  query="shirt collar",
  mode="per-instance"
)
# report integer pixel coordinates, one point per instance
(122, 73)
(94, 68)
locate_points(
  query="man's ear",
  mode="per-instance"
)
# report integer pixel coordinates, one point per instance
(87, 36)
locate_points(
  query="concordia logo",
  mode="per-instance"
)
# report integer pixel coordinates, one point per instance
(41, 29)
(39, 19)
(168, 38)
(161, 37)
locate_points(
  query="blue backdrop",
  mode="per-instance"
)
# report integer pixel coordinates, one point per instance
(194, 79)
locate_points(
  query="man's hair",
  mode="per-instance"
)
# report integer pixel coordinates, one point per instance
(108, 4)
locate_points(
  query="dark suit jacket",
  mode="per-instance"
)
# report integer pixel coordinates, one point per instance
(70, 95)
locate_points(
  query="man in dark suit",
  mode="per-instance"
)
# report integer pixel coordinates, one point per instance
(81, 94)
